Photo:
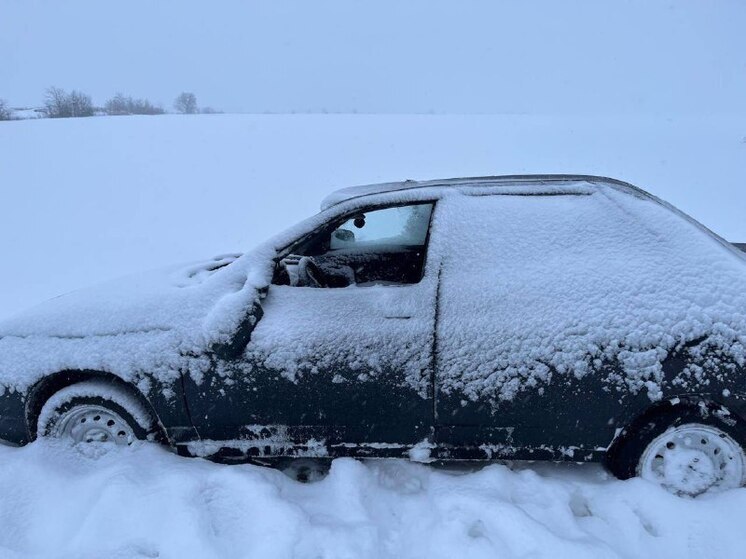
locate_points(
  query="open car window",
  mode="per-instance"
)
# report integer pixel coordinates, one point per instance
(377, 247)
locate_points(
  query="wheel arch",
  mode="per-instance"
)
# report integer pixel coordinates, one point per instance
(51, 384)
(704, 404)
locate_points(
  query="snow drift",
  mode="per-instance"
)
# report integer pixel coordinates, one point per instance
(142, 502)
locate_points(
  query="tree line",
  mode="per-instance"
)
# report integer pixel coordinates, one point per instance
(59, 103)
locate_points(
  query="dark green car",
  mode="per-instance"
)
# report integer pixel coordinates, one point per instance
(571, 318)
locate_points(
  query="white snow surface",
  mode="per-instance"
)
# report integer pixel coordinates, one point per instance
(533, 285)
(143, 502)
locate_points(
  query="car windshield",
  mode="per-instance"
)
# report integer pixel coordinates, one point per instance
(403, 226)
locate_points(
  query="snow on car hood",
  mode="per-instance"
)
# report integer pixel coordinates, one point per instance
(146, 328)
(143, 327)
(161, 299)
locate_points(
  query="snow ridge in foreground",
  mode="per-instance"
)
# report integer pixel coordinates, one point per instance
(145, 502)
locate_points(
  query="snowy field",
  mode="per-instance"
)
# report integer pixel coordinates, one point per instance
(143, 502)
(85, 200)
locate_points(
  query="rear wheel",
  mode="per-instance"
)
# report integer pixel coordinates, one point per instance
(687, 451)
(95, 412)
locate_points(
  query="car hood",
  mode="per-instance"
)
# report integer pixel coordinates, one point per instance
(165, 299)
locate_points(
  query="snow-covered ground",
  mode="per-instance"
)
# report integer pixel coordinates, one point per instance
(143, 502)
(84, 200)
(25, 113)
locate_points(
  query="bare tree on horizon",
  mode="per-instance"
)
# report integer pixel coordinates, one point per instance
(122, 104)
(186, 103)
(60, 104)
(5, 113)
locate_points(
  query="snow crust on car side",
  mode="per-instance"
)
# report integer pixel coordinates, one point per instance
(536, 288)
(291, 340)
(573, 279)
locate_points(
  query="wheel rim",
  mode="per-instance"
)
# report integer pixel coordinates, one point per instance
(89, 423)
(692, 459)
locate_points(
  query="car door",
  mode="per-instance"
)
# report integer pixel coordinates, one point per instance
(512, 369)
(346, 365)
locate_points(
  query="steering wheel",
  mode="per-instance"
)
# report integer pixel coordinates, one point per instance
(311, 274)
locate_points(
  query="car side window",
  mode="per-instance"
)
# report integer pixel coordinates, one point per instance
(380, 246)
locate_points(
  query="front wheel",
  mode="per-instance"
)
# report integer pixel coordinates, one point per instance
(95, 412)
(686, 451)
(693, 458)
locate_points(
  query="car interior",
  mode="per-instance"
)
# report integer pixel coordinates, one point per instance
(376, 247)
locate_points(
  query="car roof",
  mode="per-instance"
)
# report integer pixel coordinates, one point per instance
(525, 181)
(529, 184)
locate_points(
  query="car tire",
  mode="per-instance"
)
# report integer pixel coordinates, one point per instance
(95, 411)
(688, 450)
(304, 470)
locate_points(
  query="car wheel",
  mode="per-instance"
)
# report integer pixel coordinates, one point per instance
(305, 470)
(687, 451)
(95, 412)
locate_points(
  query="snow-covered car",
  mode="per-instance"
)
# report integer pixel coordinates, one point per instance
(556, 317)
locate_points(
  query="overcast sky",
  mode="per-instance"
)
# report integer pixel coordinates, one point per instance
(642, 56)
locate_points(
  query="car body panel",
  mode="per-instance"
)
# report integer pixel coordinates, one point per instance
(13, 428)
(327, 370)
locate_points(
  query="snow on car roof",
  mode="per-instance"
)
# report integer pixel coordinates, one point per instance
(555, 184)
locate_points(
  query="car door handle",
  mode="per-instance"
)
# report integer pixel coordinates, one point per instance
(400, 317)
